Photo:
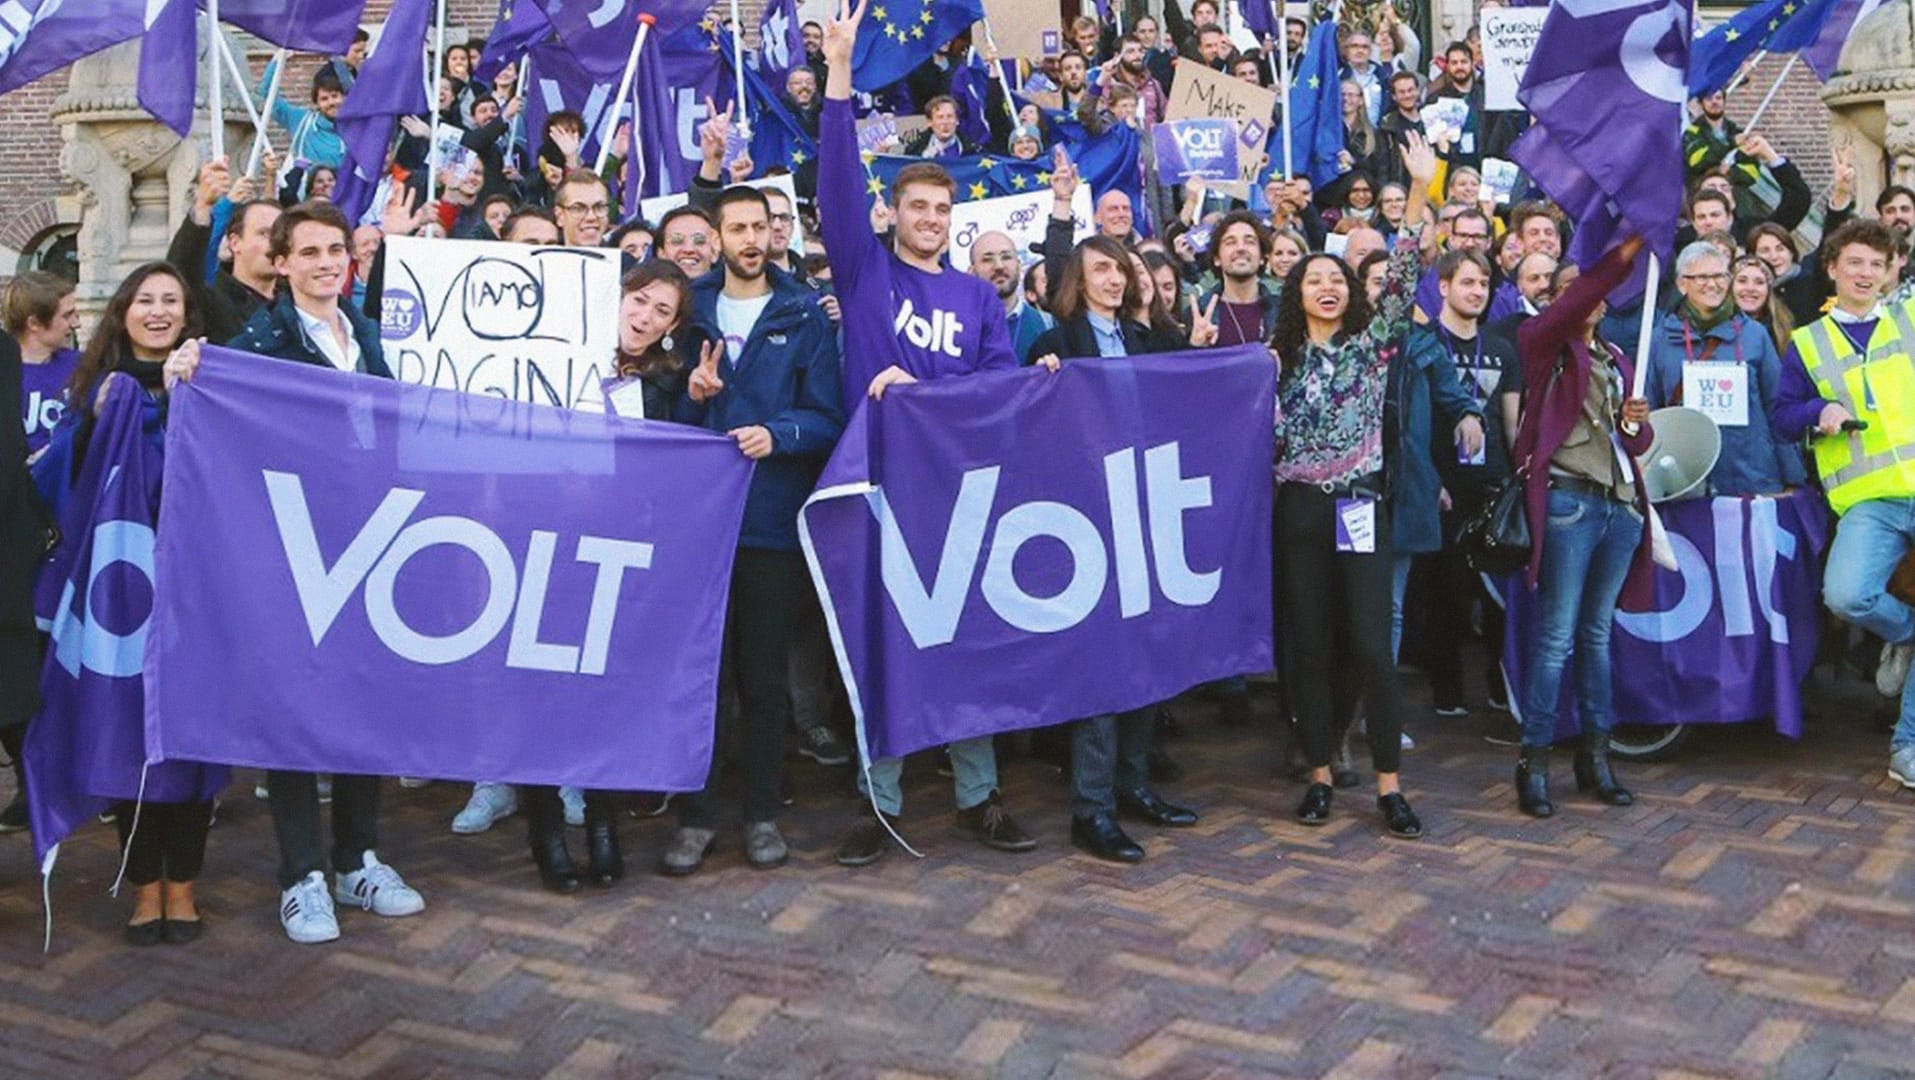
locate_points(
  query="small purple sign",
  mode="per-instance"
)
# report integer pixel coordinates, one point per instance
(1205, 149)
(399, 314)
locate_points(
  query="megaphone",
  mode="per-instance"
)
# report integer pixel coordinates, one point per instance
(1685, 448)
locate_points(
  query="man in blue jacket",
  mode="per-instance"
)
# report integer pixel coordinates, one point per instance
(774, 388)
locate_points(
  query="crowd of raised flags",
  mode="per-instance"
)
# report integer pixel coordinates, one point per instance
(1471, 312)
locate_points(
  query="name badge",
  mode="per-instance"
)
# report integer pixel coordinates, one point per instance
(1356, 526)
(1718, 391)
(1480, 457)
(626, 398)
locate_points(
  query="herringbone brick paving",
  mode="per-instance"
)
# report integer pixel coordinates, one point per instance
(1752, 915)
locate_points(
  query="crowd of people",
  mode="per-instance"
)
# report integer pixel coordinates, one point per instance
(1432, 344)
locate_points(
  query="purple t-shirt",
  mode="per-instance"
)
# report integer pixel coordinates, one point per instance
(931, 325)
(43, 395)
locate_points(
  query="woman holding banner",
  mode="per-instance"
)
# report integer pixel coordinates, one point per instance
(1332, 527)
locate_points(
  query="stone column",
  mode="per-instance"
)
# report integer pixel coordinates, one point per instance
(1872, 94)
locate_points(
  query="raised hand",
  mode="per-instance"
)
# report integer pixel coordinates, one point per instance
(415, 127)
(714, 133)
(705, 382)
(841, 33)
(402, 216)
(215, 180)
(1063, 176)
(1419, 159)
(568, 143)
(741, 168)
(1203, 326)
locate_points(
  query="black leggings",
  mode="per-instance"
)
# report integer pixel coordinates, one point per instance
(1336, 628)
(170, 843)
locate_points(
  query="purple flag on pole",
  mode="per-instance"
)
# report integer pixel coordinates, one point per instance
(560, 82)
(321, 26)
(600, 32)
(1259, 18)
(42, 36)
(446, 584)
(980, 543)
(169, 63)
(1827, 48)
(521, 25)
(1607, 86)
(676, 75)
(391, 84)
(781, 42)
(86, 747)
(1732, 632)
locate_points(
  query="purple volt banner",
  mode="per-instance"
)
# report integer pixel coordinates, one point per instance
(1733, 630)
(1206, 149)
(1014, 549)
(364, 576)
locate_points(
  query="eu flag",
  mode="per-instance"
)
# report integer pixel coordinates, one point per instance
(1316, 108)
(978, 176)
(1774, 26)
(898, 35)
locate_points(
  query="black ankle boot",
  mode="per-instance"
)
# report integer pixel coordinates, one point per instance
(1532, 782)
(601, 844)
(546, 828)
(1592, 774)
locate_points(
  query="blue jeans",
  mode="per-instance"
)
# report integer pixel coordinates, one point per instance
(1587, 546)
(1109, 754)
(973, 775)
(1871, 538)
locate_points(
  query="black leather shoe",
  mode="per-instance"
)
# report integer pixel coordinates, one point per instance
(1592, 774)
(1532, 782)
(147, 933)
(180, 931)
(1315, 807)
(1402, 820)
(1146, 805)
(607, 862)
(1101, 837)
(556, 869)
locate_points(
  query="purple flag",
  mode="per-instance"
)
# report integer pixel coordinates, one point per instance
(438, 583)
(521, 25)
(391, 84)
(1733, 631)
(1823, 54)
(1260, 18)
(600, 32)
(86, 747)
(558, 82)
(979, 543)
(41, 36)
(169, 57)
(676, 75)
(781, 42)
(321, 26)
(1607, 90)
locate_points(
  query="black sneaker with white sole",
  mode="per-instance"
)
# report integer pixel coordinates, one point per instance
(820, 745)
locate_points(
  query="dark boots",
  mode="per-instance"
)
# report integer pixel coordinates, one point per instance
(545, 826)
(1592, 773)
(1532, 782)
(601, 840)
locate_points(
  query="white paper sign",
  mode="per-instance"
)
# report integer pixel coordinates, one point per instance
(526, 323)
(1021, 217)
(1509, 40)
(1499, 178)
(658, 206)
(1718, 391)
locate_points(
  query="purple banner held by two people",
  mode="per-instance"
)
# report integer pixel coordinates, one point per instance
(1734, 630)
(363, 576)
(1206, 149)
(1013, 549)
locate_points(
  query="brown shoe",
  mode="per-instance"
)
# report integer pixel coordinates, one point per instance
(988, 824)
(866, 843)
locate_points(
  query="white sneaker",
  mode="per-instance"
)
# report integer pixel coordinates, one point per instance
(413, 783)
(1406, 742)
(1892, 672)
(378, 888)
(574, 800)
(306, 911)
(490, 804)
(1901, 765)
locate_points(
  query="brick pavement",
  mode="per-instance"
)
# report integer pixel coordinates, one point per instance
(1752, 915)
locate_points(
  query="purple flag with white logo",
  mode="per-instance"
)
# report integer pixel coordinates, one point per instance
(38, 37)
(600, 32)
(1733, 630)
(1607, 86)
(521, 25)
(1200, 148)
(169, 71)
(442, 584)
(321, 26)
(781, 42)
(677, 75)
(391, 84)
(86, 748)
(1014, 549)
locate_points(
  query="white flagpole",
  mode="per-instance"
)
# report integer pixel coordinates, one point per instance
(1283, 85)
(1641, 378)
(266, 113)
(1770, 96)
(624, 92)
(432, 107)
(215, 111)
(742, 115)
(997, 68)
(1748, 69)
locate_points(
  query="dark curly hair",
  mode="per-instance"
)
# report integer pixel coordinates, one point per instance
(1292, 334)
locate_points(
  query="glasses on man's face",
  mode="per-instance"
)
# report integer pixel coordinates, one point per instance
(1470, 237)
(1706, 279)
(579, 209)
(697, 240)
(783, 219)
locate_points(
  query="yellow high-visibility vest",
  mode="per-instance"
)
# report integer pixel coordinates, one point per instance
(1878, 463)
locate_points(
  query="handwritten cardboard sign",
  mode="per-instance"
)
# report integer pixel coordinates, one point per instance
(1198, 93)
(1022, 217)
(537, 324)
(1509, 39)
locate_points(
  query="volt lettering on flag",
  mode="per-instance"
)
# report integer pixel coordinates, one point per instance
(539, 599)
(978, 578)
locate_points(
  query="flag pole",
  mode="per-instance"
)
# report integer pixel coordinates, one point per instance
(743, 123)
(432, 107)
(1748, 69)
(518, 94)
(1283, 86)
(997, 67)
(231, 67)
(624, 91)
(266, 113)
(1641, 377)
(1770, 96)
(215, 111)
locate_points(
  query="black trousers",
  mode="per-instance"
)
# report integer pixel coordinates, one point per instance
(1450, 587)
(170, 843)
(294, 800)
(1336, 628)
(767, 588)
(544, 808)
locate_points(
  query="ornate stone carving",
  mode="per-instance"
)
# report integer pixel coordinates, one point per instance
(1872, 94)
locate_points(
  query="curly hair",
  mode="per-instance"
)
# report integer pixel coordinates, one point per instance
(1292, 333)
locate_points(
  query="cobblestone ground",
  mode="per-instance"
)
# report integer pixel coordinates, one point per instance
(1752, 915)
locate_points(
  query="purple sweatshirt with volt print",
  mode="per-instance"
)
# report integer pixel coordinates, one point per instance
(931, 325)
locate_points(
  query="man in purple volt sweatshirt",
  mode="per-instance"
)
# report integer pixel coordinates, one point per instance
(906, 316)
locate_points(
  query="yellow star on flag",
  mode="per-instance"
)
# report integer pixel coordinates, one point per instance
(986, 163)
(874, 185)
(878, 13)
(1043, 178)
(867, 156)
(925, 16)
(1788, 9)
(916, 32)
(1314, 82)
(1018, 181)
(797, 158)
(1732, 34)
(978, 190)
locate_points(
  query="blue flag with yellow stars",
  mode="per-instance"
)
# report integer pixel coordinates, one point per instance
(898, 35)
(1316, 109)
(978, 176)
(778, 140)
(1775, 26)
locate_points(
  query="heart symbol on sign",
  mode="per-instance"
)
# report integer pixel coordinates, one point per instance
(1724, 385)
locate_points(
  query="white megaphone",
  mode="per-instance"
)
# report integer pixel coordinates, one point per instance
(1685, 448)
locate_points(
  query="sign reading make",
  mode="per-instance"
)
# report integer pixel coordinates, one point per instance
(524, 323)
(1198, 93)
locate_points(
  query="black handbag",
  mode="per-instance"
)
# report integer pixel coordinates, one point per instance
(1495, 540)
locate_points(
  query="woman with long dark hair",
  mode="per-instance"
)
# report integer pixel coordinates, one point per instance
(149, 316)
(1332, 528)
